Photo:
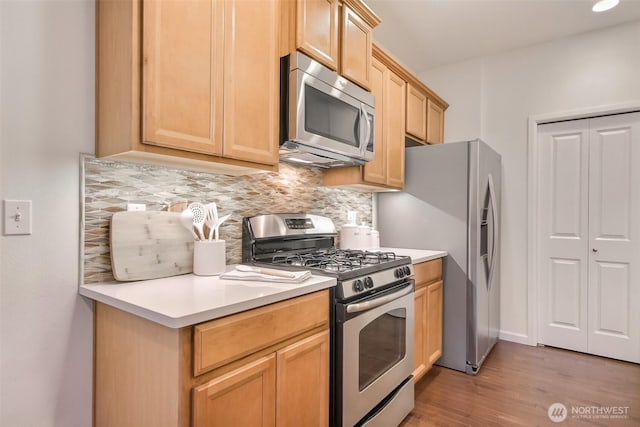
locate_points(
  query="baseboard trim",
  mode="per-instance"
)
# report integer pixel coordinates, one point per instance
(513, 337)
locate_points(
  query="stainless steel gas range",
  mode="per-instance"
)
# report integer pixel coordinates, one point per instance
(372, 313)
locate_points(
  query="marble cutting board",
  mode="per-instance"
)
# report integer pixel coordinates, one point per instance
(149, 245)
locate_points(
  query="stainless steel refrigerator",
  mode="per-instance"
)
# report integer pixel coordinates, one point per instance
(451, 202)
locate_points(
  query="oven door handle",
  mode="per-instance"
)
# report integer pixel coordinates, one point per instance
(368, 305)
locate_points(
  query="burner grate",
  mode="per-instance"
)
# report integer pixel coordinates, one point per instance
(336, 260)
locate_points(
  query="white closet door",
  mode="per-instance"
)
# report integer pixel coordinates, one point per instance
(563, 240)
(614, 247)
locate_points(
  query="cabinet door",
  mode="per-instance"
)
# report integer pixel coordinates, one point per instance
(303, 383)
(251, 80)
(434, 322)
(394, 124)
(420, 333)
(375, 171)
(182, 75)
(244, 397)
(355, 48)
(435, 123)
(416, 113)
(317, 30)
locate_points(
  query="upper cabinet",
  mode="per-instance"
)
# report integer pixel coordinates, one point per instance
(416, 125)
(355, 45)
(336, 34)
(316, 30)
(435, 122)
(425, 114)
(176, 83)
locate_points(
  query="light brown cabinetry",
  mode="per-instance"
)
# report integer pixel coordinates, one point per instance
(176, 83)
(434, 322)
(416, 124)
(355, 45)
(428, 316)
(386, 170)
(287, 388)
(263, 367)
(334, 33)
(425, 114)
(303, 383)
(243, 397)
(316, 30)
(435, 123)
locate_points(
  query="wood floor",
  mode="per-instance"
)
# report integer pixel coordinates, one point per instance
(518, 383)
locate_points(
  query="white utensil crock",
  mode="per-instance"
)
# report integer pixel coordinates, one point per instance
(209, 257)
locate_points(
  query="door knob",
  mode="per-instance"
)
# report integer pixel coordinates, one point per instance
(594, 250)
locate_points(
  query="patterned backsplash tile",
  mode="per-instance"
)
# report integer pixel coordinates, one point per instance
(109, 186)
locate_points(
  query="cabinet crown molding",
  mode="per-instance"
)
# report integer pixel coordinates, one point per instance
(397, 67)
(364, 11)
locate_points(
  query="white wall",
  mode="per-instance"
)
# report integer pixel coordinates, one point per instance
(591, 70)
(46, 120)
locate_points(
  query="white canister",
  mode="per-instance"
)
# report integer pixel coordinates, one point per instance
(349, 236)
(364, 239)
(375, 239)
(209, 257)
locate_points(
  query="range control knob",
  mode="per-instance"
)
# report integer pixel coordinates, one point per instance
(368, 282)
(399, 273)
(407, 270)
(358, 286)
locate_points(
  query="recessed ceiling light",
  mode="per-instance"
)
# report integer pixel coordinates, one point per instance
(603, 5)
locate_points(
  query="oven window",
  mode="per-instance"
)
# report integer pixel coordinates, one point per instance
(382, 345)
(330, 117)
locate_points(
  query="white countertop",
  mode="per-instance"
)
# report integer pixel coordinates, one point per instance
(185, 300)
(417, 255)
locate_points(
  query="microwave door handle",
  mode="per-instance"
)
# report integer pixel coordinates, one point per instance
(364, 117)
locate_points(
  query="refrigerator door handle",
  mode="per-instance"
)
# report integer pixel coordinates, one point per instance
(494, 228)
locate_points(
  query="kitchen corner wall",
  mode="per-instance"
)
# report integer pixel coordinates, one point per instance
(109, 186)
(47, 80)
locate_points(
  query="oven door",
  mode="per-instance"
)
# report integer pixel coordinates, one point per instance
(376, 340)
(328, 118)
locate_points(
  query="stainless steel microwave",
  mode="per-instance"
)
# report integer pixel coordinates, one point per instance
(325, 120)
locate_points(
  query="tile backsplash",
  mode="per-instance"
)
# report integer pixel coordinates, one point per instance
(109, 186)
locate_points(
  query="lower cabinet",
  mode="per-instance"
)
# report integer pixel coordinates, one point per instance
(268, 366)
(244, 397)
(287, 388)
(434, 322)
(302, 386)
(428, 316)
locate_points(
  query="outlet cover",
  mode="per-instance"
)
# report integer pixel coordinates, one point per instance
(136, 207)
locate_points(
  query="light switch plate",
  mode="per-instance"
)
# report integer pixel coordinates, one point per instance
(17, 217)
